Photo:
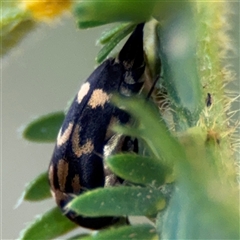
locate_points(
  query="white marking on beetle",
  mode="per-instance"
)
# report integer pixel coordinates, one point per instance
(83, 91)
(63, 137)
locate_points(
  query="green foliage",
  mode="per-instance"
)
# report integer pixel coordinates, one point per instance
(44, 128)
(95, 13)
(177, 52)
(184, 140)
(112, 38)
(149, 171)
(127, 232)
(118, 201)
(47, 226)
(15, 24)
(38, 189)
(203, 204)
(107, 35)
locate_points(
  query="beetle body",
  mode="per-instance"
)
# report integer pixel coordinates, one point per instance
(77, 162)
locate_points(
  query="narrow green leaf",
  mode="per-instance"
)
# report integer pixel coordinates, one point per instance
(136, 232)
(108, 47)
(44, 128)
(95, 13)
(108, 34)
(48, 226)
(38, 189)
(138, 169)
(118, 201)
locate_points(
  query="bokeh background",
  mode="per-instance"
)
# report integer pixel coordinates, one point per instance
(40, 76)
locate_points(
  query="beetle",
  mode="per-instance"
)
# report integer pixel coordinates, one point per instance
(77, 163)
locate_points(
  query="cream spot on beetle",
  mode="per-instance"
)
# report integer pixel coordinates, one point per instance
(76, 138)
(62, 173)
(83, 91)
(77, 149)
(63, 137)
(87, 147)
(76, 184)
(98, 98)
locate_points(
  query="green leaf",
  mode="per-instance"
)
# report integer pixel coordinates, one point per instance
(108, 34)
(194, 213)
(95, 13)
(48, 226)
(116, 38)
(45, 128)
(118, 201)
(178, 48)
(135, 232)
(138, 169)
(205, 199)
(38, 189)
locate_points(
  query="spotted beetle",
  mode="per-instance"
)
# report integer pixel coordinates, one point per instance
(85, 136)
